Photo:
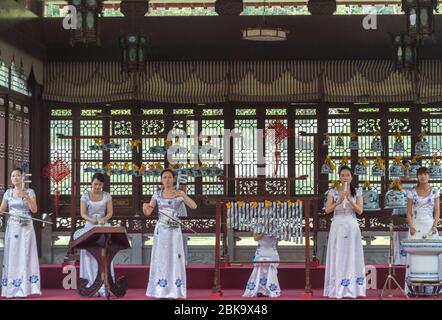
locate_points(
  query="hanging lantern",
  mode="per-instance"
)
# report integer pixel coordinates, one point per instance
(419, 14)
(133, 53)
(426, 18)
(87, 30)
(410, 7)
(405, 52)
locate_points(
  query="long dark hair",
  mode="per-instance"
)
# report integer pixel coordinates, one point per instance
(352, 188)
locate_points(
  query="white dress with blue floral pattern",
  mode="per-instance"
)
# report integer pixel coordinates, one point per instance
(423, 213)
(264, 277)
(345, 267)
(21, 269)
(88, 264)
(423, 219)
(167, 275)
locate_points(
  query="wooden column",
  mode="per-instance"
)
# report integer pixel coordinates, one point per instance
(39, 154)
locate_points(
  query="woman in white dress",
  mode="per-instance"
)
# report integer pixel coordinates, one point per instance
(21, 269)
(423, 211)
(345, 267)
(167, 275)
(96, 208)
(263, 281)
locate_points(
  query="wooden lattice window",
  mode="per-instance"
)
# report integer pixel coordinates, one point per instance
(61, 123)
(19, 82)
(212, 125)
(303, 160)
(4, 74)
(245, 155)
(121, 130)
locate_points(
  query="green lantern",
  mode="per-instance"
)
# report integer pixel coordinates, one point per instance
(87, 30)
(133, 53)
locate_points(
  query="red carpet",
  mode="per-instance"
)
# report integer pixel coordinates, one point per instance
(200, 277)
(200, 282)
(139, 294)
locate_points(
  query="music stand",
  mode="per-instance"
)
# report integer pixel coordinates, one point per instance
(394, 220)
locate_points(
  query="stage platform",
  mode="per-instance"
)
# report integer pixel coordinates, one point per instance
(195, 294)
(200, 276)
(200, 282)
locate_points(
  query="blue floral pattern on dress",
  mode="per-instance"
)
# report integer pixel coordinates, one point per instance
(345, 282)
(403, 253)
(263, 281)
(5, 282)
(251, 285)
(273, 287)
(360, 281)
(33, 279)
(17, 282)
(178, 282)
(162, 283)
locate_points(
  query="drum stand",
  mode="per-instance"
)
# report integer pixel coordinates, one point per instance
(390, 276)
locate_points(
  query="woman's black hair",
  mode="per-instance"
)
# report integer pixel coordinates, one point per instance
(17, 169)
(352, 188)
(167, 170)
(98, 176)
(420, 171)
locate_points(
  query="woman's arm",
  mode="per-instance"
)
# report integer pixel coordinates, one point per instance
(109, 212)
(436, 214)
(329, 205)
(410, 216)
(4, 205)
(357, 206)
(187, 200)
(148, 207)
(84, 213)
(32, 203)
(29, 196)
